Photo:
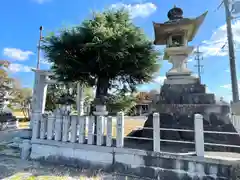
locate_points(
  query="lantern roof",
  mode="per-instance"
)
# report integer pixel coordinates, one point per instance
(177, 24)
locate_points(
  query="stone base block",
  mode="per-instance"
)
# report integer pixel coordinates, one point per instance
(235, 108)
(181, 79)
(145, 164)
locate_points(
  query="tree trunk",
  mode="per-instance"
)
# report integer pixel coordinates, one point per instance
(102, 88)
(101, 93)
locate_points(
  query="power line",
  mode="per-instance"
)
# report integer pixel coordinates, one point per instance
(219, 6)
(199, 66)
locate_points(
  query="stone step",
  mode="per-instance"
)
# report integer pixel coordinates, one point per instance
(14, 145)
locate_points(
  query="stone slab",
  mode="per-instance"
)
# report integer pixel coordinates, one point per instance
(137, 162)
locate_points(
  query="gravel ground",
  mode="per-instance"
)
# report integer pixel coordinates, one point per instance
(12, 168)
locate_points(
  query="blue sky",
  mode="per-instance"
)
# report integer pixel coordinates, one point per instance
(20, 21)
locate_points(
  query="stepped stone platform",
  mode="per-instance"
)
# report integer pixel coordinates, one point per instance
(177, 106)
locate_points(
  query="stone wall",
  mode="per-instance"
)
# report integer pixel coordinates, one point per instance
(137, 162)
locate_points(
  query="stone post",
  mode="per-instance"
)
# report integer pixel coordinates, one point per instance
(100, 110)
(100, 130)
(36, 116)
(109, 131)
(58, 125)
(39, 93)
(99, 126)
(43, 126)
(73, 133)
(25, 149)
(82, 128)
(65, 127)
(120, 130)
(80, 99)
(50, 126)
(156, 132)
(91, 130)
(199, 135)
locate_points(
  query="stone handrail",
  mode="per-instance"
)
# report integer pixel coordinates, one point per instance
(77, 129)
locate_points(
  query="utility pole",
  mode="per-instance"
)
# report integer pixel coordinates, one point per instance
(198, 58)
(235, 93)
(39, 47)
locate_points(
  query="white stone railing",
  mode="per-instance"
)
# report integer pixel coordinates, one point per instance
(198, 134)
(78, 129)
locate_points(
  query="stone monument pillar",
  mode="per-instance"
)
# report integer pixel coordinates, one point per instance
(39, 93)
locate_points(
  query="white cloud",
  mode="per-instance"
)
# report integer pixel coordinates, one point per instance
(226, 86)
(229, 86)
(159, 79)
(217, 45)
(227, 70)
(17, 54)
(44, 61)
(19, 68)
(41, 1)
(137, 10)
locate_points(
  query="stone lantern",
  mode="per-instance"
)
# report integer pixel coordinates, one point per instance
(175, 34)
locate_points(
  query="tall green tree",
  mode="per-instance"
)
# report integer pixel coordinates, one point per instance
(106, 51)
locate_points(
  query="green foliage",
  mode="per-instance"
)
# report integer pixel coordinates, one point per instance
(104, 51)
(5, 80)
(55, 91)
(88, 95)
(22, 97)
(120, 102)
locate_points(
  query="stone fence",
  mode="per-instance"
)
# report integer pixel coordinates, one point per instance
(79, 129)
(70, 139)
(60, 126)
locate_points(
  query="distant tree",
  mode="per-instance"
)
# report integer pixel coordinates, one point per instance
(11, 88)
(5, 82)
(143, 96)
(23, 99)
(55, 91)
(104, 51)
(120, 102)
